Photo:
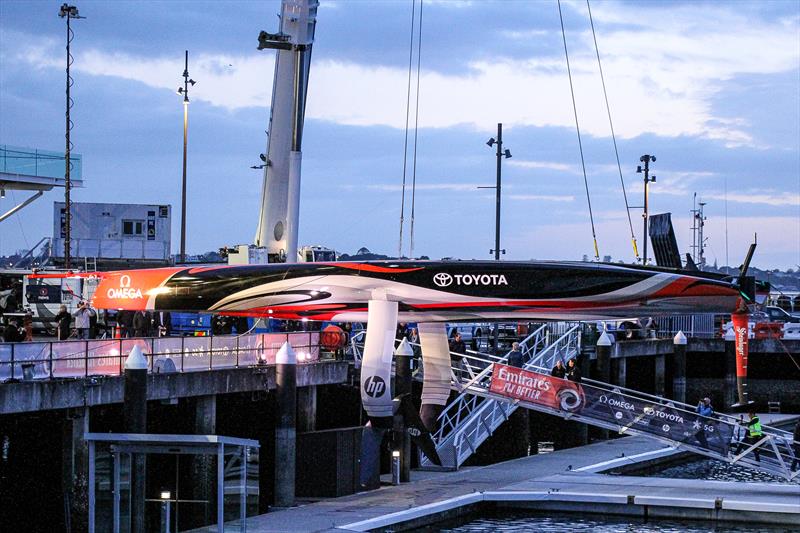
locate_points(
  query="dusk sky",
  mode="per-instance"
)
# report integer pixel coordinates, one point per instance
(711, 88)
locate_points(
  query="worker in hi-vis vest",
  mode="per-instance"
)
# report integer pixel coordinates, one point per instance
(754, 434)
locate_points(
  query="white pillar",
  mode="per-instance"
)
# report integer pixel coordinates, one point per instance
(436, 368)
(376, 364)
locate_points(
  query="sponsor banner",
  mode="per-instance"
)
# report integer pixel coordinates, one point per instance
(86, 358)
(305, 345)
(5, 359)
(248, 350)
(32, 356)
(533, 387)
(196, 355)
(223, 352)
(740, 330)
(612, 407)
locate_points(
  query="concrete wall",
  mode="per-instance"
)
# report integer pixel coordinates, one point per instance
(62, 394)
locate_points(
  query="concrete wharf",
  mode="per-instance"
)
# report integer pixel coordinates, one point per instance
(565, 480)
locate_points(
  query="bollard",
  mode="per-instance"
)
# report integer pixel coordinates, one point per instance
(402, 385)
(165, 511)
(285, 429)
(395, 467)
(603, 353)
(679, 367)
(134, 415)
(603, 365)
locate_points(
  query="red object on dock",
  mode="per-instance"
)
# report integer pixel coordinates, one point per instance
(332, 338)
(768, 330)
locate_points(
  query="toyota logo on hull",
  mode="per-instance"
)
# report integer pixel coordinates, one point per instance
(443, 279)
(374, 386)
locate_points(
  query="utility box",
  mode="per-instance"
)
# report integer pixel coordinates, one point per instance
(330, 462)
(117, 235)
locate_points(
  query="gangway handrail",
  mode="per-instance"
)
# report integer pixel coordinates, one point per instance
(667, 402)
(465, 400)
(772, 440)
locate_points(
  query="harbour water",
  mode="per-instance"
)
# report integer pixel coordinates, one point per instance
(525, 521)
(718, 471)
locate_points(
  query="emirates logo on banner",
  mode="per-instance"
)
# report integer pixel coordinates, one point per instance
(533, 387)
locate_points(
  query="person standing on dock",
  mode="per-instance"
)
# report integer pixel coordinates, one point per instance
(573, 371)
(559, 371)
(754, 434)
(63, 320)
(83, 319)
(796, 446)
(457, 352)
(703, 409)
(515, 356)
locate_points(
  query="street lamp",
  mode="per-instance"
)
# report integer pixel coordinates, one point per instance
(646, 159)
(500, 155)
(68, 12)
(185, 92)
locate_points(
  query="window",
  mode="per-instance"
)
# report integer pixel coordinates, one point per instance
(132, 228)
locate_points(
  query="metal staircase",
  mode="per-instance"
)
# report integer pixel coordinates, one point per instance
(477, 412)
(472, 417)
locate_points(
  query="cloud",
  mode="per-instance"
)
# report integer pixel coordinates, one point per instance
(548, 165)
(762, 197)
(459, 187)
(541, 197)
(664, 84)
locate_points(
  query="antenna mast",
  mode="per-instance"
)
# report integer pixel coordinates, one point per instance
(698, 240)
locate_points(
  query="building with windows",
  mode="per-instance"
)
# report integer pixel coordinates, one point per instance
(107, 236)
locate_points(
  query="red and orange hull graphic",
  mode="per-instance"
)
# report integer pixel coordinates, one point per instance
(430, 291)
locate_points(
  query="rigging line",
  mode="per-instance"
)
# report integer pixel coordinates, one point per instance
(19, 221)
(405, 142)
(613, 135)
(578, 129)
(416, 131)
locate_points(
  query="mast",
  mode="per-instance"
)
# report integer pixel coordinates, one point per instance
(280, 194)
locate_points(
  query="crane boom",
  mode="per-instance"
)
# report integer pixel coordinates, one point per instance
(280, 194)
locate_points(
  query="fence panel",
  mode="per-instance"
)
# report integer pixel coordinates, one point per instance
(5, 361)
(224, 349)
(249, 350)
(196, 355)
(69, 359)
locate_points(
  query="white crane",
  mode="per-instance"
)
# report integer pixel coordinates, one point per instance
(280, 194)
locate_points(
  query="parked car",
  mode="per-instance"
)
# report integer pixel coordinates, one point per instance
(777, 314)
(628, 329)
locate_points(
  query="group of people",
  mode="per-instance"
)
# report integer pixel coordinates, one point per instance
(571, 372)
(144, 323)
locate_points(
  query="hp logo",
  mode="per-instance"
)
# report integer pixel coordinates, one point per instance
(443, 279)
(374, 386)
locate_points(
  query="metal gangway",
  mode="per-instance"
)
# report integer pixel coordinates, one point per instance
(479, 410)
(473, 417)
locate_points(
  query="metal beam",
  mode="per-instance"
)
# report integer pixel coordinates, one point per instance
(20, 206)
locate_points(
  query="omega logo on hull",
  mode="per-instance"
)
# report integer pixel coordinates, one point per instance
(124, 290)
(443, 279)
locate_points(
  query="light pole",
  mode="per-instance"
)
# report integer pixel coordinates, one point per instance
(185, 92)
(646, 159)
(498, 188)
(68, 12)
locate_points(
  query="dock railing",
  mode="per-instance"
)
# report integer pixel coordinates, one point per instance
(106, 357)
